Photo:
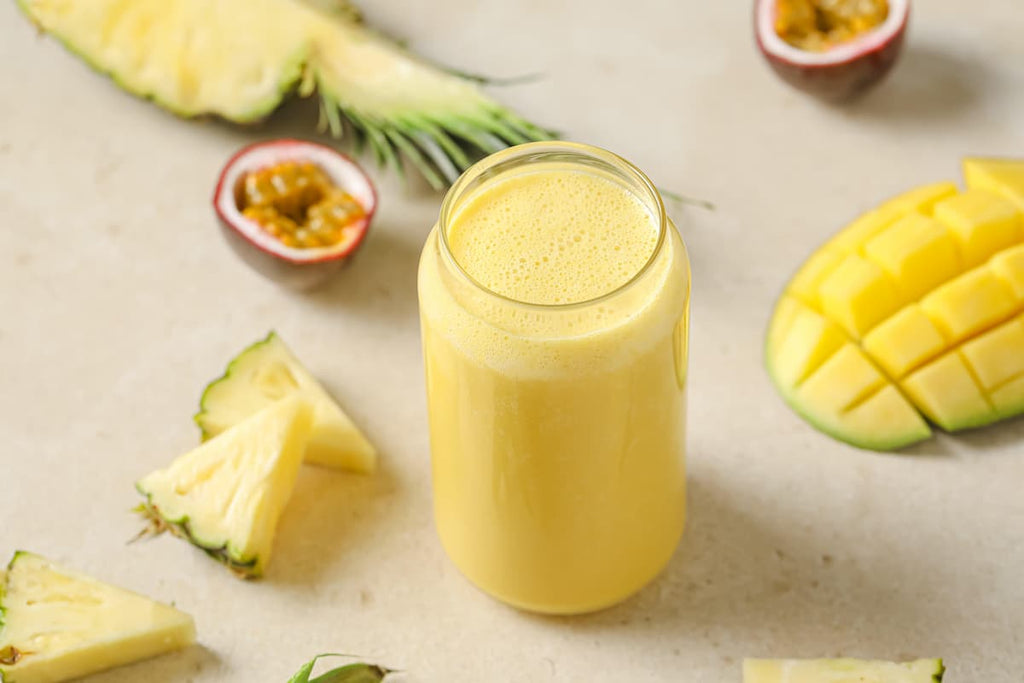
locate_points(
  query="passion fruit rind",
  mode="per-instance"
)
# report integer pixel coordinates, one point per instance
(842, 71)
(297, 267)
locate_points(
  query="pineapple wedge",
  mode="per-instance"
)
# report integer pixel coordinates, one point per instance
(227, 495)
(841, 671)
(262, 374)
(56, 624)
(240, 59)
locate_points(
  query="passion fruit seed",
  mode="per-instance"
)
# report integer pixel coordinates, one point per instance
(817, 25)
(296, 203)
(289, 187)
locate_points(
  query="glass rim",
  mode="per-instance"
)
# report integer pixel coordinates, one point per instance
(584, 151)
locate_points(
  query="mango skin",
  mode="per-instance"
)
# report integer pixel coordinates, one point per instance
(835, 387)
(913, 314)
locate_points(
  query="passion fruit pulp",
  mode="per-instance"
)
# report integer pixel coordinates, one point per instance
(294, 210)
(834, 49)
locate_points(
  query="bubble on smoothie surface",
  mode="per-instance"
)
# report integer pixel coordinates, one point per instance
(553, 237)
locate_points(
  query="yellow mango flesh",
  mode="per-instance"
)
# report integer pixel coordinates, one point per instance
(917, 252)
(982, 222)
(833, 384)
(922, 199)
(905, 341)
(948, 394)
(841, 382)
(1000, 176)
(822, 339)
(995, 357)
(1009, 398)
(970, 304)
(913, 313)
(858, 295)
(867, 226)
(806, 285)
(1009, 266)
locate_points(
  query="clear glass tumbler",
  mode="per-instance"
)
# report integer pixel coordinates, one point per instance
(557, 430)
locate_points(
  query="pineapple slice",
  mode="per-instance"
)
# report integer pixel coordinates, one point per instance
(56, 624)
(227, 495)
(240, 59)
(841, 671)
(267, 371)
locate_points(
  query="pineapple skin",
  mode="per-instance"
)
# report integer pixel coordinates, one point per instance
(843, 670)
(292, 71)
(253, 54)
(336, 441)
(236, 530)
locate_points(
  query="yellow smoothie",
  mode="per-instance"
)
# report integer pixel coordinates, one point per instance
(554, 314)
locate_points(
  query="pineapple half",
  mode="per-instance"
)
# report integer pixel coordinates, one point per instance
(841, 671)
(239, 59)
(227, 495)
(56, 624)
(265, 372)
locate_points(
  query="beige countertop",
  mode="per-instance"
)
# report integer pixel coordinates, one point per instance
(120, 300)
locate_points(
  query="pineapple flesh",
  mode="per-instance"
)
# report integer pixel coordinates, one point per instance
(227, 495)
(264, 373)
(841, 671)
(56, 624)
(239, 59)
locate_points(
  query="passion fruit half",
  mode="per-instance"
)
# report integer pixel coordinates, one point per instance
(834, 49)
(295, 211)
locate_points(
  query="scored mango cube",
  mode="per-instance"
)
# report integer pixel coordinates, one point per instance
(917, 252)
(810, 341)
(1002, 176)
(843, 380)
(858, 295)
(1009, 266)
(905, 341)
(998, 355)
(786, 312)
(922, 199)
(947, 393)
(1009, 398)
(854, 235)
(806, 283)
(969, 304)
(925, 296)
(884, 420)
(983, 223)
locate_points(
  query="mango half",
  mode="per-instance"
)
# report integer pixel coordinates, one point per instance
(913, 314)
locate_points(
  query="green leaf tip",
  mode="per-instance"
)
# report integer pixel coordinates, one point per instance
(683, 199)
(359, 672)
(354, 673)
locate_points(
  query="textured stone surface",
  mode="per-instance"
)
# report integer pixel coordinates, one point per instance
(120, 301)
